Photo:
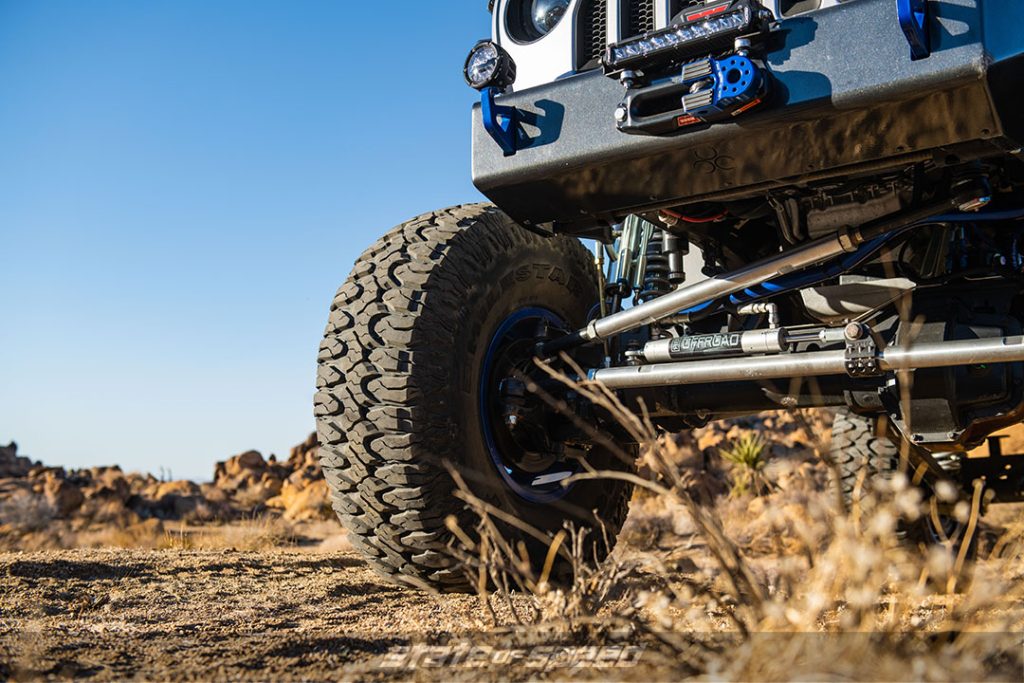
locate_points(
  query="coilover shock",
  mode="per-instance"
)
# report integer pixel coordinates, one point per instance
(664, 264)
(656, 273)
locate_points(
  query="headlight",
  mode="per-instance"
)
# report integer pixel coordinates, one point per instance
(488, 65)
(530, 20)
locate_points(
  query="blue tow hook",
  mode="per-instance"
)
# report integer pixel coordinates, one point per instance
(913, 18)
(501, 122)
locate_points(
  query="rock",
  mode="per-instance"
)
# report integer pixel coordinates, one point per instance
(215, 495)
(250, 460)
(181, 488)
(110, 511)
(710, 439)
(306, 455)
(271, 483)
(241, 471)
(299, 503)
(88, 499)
(13, 465)
(304, 495)
(63, 496)
(22, 510)
(756, 506)
(107, 483)
(171, 500)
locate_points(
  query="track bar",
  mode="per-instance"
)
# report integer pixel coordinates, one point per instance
(811, 364)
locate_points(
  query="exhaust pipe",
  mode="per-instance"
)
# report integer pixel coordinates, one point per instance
(811, 364)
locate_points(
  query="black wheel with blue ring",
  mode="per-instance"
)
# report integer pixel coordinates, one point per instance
(523, 451)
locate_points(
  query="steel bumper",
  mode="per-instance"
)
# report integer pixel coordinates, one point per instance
(847, 98)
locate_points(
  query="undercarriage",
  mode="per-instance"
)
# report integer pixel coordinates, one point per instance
(817, 211)
(914, 317)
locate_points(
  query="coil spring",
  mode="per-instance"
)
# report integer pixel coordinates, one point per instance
(656, 275)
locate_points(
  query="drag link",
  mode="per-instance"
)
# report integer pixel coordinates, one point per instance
(812, 364)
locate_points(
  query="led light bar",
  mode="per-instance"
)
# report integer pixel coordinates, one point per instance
(694, 34)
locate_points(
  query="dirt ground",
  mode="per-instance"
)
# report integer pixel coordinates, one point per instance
(202, 615)
(316, 613)
(283, 614)
(798, 591)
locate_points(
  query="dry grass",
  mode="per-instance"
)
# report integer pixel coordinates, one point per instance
(778, 587)
(259, 532)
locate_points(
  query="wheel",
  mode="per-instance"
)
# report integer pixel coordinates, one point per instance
(857, 448)
(425, 362)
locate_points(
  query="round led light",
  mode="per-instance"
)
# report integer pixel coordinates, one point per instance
(488, 65)
(482, 64)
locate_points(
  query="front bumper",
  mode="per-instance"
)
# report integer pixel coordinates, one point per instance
(847, 99)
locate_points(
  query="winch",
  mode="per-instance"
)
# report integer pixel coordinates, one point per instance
(697, 70)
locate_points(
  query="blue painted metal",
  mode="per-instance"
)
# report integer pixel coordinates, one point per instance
(731, 84)
(500, 122)
(913, 18)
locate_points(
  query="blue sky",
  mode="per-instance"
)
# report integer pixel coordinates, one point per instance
(183, 186)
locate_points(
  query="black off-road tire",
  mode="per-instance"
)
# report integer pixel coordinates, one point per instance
(856, 448)
(397, 386)
(859, 451)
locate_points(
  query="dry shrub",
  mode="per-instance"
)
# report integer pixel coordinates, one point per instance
(788, 585)
(146, 534)
(259, 532)
(23, 512)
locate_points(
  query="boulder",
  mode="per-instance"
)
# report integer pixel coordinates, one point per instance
(299, 503)
(22, 510)
(240, 466)
(13, 465)
(63, 496)
(305, 457)
(182, 488)
(108, 511)
(251, 460)
(107, 483)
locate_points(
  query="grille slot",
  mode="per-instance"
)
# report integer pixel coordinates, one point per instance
(640, 17)
(593, 35)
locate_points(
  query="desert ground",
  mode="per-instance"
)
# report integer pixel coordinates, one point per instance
(763, 584)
